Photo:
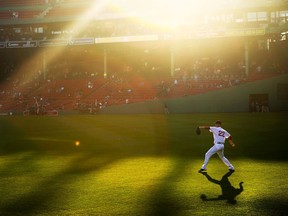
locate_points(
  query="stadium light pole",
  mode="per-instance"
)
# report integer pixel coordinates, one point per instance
(246, 56)
(172, 64)
(44, 65)
(105, 62)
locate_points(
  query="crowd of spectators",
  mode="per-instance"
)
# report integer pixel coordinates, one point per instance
(65, 86)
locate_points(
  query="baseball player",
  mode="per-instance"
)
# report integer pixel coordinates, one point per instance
(220, 135)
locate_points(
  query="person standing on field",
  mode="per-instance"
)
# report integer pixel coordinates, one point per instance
(219, 135)
(166, 110)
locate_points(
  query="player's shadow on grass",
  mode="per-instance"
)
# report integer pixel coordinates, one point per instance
(228, 191)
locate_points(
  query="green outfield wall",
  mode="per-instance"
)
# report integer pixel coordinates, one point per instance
(233, 99)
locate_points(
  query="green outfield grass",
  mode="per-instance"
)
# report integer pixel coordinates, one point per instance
(140, 165)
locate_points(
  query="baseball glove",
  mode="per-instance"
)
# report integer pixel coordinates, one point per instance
(198, 130)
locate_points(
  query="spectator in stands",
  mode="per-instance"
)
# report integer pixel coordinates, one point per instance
(15, 15)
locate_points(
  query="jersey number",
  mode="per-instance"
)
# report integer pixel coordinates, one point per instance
(221, 133)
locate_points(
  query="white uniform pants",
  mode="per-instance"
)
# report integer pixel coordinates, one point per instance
(219, 149)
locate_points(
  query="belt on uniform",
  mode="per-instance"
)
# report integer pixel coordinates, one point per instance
(220, 143)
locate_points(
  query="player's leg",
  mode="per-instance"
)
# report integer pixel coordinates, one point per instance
(208, 154)
(224, 159)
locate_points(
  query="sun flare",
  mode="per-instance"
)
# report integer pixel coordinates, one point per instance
(171, 14)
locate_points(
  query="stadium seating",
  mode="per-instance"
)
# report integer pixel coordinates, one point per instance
(17, 3)
(260, 76)
(26, 9)
(21, 14)
(69, 94)
(62, 12)
(69, 8)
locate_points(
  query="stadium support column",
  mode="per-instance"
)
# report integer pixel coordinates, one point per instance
(172, 64)
(105, 63)
(44, 65)
(246, 56)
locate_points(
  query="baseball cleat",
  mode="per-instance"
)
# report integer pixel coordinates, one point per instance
(201, 170)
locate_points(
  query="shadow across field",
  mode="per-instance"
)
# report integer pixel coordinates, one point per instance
(276, 205)
(229, 192)
(39, 199)
(163, 200)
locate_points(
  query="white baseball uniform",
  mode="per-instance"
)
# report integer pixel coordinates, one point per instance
(220, 135)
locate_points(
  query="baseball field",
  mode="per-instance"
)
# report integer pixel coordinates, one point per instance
(142, 165)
